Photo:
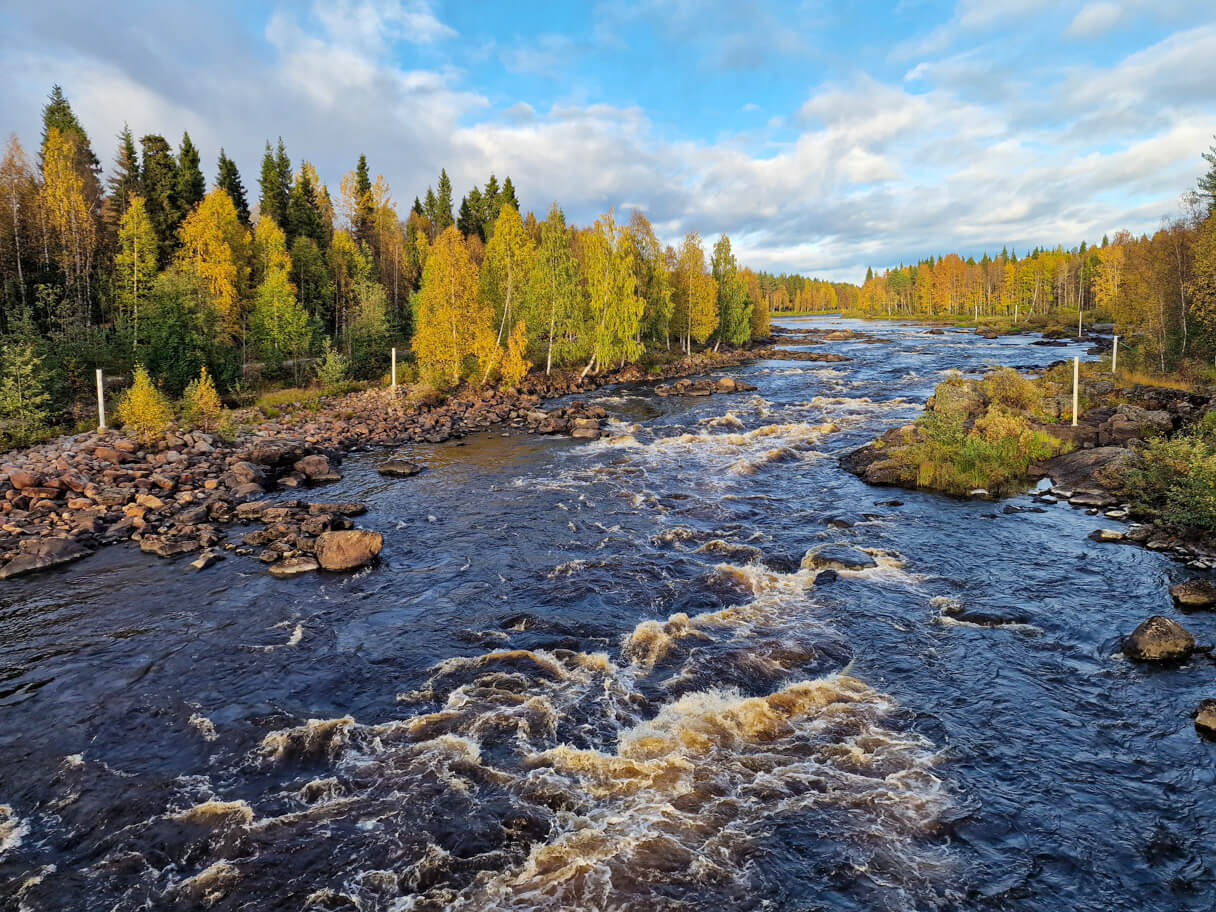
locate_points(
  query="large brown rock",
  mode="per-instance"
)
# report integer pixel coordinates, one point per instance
(348, 549)
(1130, 422)
(1159, 640)
(39, 554)
(277, 452)
(1194, 594)
(398, 468)
(22, 478)
(1086, 469)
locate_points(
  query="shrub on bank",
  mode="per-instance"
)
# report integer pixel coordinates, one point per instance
(943, 454)
(1175, 479)
(143, 410)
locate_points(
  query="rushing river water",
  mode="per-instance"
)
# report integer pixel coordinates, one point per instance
(595, 676)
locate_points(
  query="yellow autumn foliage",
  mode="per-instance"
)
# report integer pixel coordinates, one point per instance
(143, 409)
(201, 406)
(515, 365)
(215, 248)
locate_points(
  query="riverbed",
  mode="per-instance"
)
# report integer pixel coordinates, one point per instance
(597, 676)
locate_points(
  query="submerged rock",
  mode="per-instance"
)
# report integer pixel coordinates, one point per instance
(1159, 640)
(1205, 718)
(838, 557)
(294, 566)
(399, 468)
(40, 554)
(348, 549)
(981, 617)
(1194, 594)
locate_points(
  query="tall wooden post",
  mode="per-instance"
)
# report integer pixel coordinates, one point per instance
(1076, 383)
(394, 370)
(101, 402)
(1114, 357)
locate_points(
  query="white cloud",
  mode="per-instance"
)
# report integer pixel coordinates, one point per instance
(1095, 19)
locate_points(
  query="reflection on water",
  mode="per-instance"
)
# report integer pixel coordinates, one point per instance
(607, 676)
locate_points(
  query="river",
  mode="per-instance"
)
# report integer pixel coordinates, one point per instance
(595, 676)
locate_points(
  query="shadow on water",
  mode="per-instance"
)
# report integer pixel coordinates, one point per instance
(597, 676)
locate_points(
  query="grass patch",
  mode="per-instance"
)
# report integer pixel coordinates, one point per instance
(304, 397)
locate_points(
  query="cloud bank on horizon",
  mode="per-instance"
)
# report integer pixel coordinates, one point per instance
(822, 137)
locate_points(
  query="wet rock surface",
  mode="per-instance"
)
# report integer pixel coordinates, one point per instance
(1194, 594)
(1159, 639)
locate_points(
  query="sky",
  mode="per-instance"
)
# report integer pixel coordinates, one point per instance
(824, 138)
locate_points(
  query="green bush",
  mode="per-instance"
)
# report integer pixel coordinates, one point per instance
(1175, 479)
(1006, 387)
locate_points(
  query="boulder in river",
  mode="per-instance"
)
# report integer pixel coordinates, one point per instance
(1159, 640)
(399, 468)
(1194, 594)
(837, 557)
(1205, 718)
(39, 554)
(348, 549)
(985, 617)
(316, 469)
(1086, 469)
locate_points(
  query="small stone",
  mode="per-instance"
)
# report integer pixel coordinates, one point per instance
(207, 559)
(979, 493)
(1159, 640)
(293, 566)
(399, 468)
(1106, 535)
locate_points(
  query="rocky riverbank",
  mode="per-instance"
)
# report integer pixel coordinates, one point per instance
(62, 500)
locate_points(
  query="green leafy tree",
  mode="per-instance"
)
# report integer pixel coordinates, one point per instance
(734, 308)
(556, 311)
(182, 333)
(134, 263)
(507, 270)
(310, 274)
(278, 324)
(616, 310)
(23, 400)
(228, 179)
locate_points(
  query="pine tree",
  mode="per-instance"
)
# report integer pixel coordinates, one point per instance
(158, 179)
(443, 203)
(124, 182)
(134, 263)
(468, 221)
(191, 185)
(23, 401)
(228, 179)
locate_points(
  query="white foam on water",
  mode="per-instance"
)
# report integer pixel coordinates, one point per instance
(12, 829)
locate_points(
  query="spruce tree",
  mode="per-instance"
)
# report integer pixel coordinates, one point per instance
(191, 185)
(418, 207)
(507, 196)
(123, 183)
(364, 215)
(303, 214)
(1207, 183)
(58, 114)
(158, 176)
(228, 179)
(443, 202)
(275, 190)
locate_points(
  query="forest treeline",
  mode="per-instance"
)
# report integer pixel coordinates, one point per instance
(144, 265)
(1159, 289)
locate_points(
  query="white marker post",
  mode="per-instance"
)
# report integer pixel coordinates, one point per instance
(1076, 383)
(394, 370)
(1114, 357)
(101, 402)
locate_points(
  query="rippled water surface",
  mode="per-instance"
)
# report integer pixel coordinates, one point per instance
(597, 676)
